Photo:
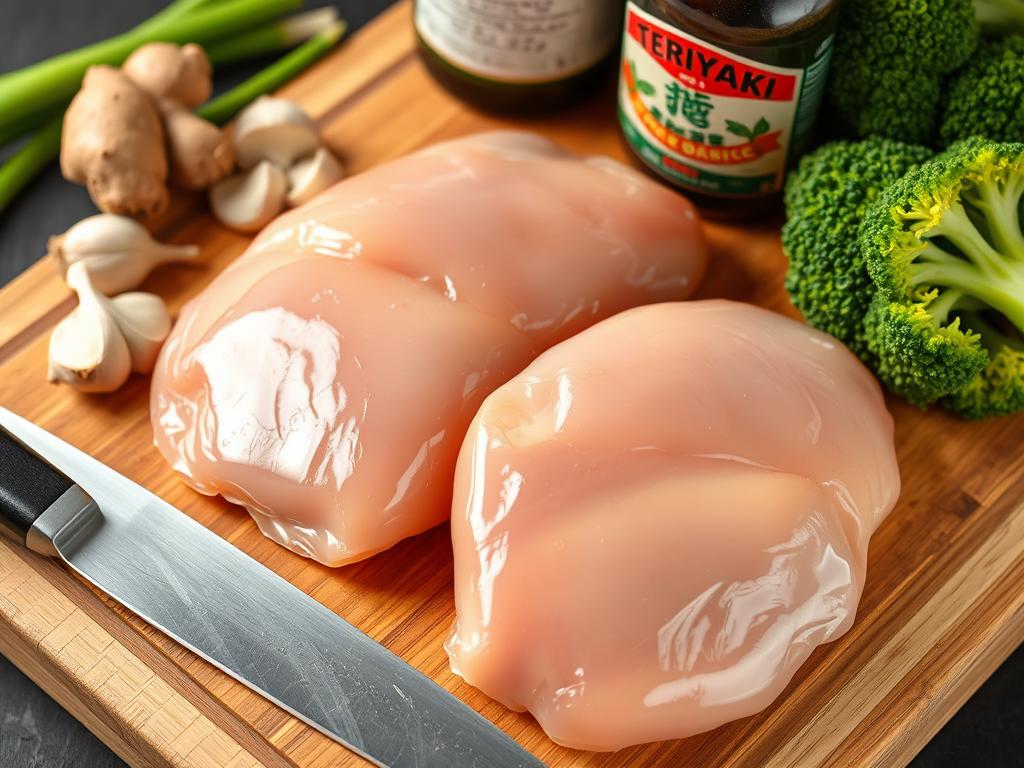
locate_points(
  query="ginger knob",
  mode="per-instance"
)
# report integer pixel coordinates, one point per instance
(113, 142)
(178, 78)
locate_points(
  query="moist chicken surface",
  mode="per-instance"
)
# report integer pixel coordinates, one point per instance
(658, 520)
(326, 379)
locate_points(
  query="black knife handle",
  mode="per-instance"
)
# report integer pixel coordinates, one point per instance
(29, 485)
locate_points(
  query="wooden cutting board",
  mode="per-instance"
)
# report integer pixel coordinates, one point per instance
(943, 605)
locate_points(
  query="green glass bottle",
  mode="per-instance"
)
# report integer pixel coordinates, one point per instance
(718, 97)
(518, 55)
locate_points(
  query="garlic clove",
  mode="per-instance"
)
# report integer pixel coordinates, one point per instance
(87, 349)
(248, 201)
(118, 251)
(311, 176)
(88, 352)
(275, 130)
(145, 323)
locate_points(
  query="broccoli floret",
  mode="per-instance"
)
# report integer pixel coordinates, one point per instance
(1000, 17)
(999, 389)
(915, 355)
(986, 97)
(945, 251)
(890, 59)
(826, 198)
(903, 105)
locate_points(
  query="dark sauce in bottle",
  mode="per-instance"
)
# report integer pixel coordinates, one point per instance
(718, 97)
(518, 55)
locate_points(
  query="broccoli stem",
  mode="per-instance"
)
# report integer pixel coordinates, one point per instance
(945, 303)
(992, 337)
(998, 201)
(957, 227)
(995, 277)
(1005, 297)
(932, 254)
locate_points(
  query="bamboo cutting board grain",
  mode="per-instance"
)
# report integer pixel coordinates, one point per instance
(943, 604)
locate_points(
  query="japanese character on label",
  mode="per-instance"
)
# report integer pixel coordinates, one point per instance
(692, 105)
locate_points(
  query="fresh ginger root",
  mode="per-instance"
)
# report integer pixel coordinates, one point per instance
(200, 153)
(178, 78)
(168, 71)
(113, 142)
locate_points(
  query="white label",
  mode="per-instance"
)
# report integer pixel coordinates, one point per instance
(519, 40)
(704, 116)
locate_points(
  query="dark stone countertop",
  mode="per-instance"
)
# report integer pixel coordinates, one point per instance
(34, 731)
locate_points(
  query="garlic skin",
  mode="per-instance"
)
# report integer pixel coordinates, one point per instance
(284, 164)
(145, 323)
(274, 130)
(87, 349)
(118, 251)
(98, 345)
(247, 201)
(312, 175)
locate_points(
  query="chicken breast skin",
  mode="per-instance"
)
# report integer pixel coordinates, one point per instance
(658, 520)
(325, 380)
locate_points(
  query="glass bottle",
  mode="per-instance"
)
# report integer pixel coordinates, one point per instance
(518, 55)
(718, 97)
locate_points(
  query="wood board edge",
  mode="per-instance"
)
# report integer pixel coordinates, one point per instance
(898, 751)
(109, 689)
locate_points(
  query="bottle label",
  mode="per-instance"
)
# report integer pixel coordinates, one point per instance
(519, 41)
(710, 119)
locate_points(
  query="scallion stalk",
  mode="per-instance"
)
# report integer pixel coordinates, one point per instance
(25, 164)
(44, 145)
(55, 80)
(18, 128)
(278, 35)
(223, 108)
(173, 10)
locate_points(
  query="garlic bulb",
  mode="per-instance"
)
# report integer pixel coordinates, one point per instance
(98, 345)
(118, 251)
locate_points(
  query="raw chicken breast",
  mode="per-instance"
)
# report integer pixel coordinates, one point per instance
(658, 520)
(326, 379)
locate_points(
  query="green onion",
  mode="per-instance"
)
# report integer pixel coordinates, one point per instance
(222, 108)
(270, 38)
(20, 127)
(44, 145)
(55, 80)
(174, 10)
(25, 164)
(17, 128)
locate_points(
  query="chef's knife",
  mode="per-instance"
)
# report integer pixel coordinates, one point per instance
(229, 609)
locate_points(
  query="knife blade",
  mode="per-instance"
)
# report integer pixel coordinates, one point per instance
(231, 610)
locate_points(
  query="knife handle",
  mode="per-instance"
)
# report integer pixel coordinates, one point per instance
(31, 487)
